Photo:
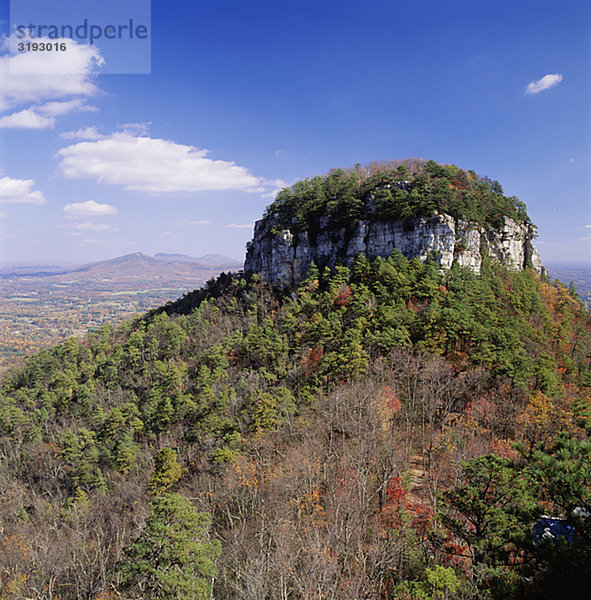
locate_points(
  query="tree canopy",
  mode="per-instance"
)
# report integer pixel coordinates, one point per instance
(387, 430)
(395, 190)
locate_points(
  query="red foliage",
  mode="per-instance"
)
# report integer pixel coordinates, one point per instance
(455, 552)
(389, 396)
(422, 520)
(344, 296)
(416, 305)
(502, 448)
(395, 493)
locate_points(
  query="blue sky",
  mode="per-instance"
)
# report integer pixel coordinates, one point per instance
(246, 97)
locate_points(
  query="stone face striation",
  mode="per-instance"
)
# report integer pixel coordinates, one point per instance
(283, 258)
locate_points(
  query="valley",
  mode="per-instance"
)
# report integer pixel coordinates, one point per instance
(42, 306)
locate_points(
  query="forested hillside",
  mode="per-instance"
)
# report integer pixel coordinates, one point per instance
(385, 431)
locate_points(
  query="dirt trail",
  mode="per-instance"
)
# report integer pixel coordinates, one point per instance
(419, 490)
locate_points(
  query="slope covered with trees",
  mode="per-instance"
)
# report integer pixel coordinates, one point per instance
(384, 431)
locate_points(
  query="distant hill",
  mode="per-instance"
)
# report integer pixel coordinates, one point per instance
(32, 270)
(214, 260)
(133, 268)
(140, 266)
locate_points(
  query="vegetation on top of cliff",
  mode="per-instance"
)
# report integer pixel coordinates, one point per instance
(395, 190)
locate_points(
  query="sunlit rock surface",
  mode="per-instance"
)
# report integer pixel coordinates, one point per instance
(283, 258)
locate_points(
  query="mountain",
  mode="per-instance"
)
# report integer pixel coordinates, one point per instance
(132, 269)
(420, 208)
(214, 260)
(139, 266)
(387, 429)
(135, 266)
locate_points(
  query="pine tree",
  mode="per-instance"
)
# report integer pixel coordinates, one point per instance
(173, 557)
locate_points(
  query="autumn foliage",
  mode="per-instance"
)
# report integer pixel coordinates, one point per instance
(364, 436)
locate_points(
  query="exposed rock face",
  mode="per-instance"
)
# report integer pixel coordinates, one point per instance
(284, 258)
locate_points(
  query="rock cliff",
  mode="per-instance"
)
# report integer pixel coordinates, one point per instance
(283, 257)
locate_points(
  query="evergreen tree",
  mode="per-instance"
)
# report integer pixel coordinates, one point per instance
(173, 558)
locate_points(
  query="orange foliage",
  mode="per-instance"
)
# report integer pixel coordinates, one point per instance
(543, 417)
(344, 296)
(392, 401)
(311, 361)
(386, 406)
(245, 470)
(107, 595)
(17, 548)
(16, 558)
(502, 448)
(311, 508)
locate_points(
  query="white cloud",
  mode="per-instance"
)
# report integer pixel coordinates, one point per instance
(40, 86)
(3, 215)
(90, 208)
(273, 192)
(238, 226)
(546, 82)
(43, 116)
(146, 164)
(26, 119)
(86, 133)
(192, 222)
(19, 191)
(55, 109)
(31, 76)
(135, 128)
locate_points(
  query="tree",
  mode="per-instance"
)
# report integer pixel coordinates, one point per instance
(562, 565)
(166, 472)
(491, 512)
(495, 513)
(173, 557)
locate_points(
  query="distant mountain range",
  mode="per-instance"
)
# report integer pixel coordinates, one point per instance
(133, 266)
(212, 260)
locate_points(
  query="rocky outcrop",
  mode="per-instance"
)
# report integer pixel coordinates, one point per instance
(283, 258)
